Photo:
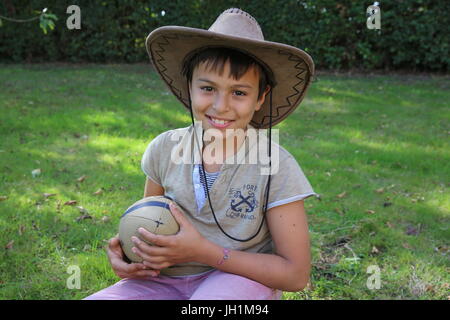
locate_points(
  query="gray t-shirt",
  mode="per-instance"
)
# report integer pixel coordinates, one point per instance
(237, 194)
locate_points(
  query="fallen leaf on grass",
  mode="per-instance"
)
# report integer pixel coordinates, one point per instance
(412, 231)
(342, 241)
(36, 172)
(442, 249)
(58, 206)
(99, 191)
(35, 227)
(83, 217)
(81, 179)
(370, 211)
(341, 195)
(406, 246)
(82, 210)
(80, 136)
(9, 245)
(415, 200)
(429, 287)
(380, 190)
(70, 203)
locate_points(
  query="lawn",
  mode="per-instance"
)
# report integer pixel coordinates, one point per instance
(375, 148)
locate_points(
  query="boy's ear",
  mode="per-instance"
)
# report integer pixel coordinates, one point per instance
(262, 99)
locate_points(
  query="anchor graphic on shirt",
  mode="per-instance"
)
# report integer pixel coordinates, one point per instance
(250, 204)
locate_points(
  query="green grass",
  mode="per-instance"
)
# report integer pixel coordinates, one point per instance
(352, 134)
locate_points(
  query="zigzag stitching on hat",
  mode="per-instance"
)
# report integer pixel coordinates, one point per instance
(291, 57)
(161, 59)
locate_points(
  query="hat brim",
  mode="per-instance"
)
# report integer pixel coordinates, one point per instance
(292, 68)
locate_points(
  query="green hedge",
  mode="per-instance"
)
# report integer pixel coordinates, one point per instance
(414, 34)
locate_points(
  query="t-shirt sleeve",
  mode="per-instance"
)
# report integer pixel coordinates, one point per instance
(151, 161)
(288, 184)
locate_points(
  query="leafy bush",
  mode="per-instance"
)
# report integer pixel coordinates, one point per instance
(413, 33)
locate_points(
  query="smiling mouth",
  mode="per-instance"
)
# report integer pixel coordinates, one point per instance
(219, 121)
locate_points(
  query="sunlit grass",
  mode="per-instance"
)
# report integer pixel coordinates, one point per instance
(376, 149)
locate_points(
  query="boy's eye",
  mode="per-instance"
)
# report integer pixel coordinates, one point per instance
(210, 89)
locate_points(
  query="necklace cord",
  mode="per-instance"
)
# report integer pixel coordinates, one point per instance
(204, 174)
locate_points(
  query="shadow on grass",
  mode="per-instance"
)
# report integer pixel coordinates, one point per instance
(97, 120)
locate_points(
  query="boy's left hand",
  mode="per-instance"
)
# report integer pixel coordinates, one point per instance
(185, 246)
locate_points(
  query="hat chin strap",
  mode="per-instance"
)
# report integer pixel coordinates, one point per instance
(204, 174)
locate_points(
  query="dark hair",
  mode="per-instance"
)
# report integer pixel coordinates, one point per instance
(239, 64)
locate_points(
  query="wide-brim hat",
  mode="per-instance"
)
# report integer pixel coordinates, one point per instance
(291, 68)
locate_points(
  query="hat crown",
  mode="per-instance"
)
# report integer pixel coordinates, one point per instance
(238, 23)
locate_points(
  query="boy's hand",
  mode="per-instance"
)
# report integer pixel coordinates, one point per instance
(185, 246)
(123, 269)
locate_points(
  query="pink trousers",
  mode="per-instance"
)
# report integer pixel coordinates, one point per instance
(211, 285)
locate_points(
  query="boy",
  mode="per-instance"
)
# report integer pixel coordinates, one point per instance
(249, 240)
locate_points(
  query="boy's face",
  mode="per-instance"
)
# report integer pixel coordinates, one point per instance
(224, 103)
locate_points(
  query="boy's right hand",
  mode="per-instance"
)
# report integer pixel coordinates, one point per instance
(123, 269)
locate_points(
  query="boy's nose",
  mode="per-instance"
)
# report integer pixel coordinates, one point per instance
(220, 103)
